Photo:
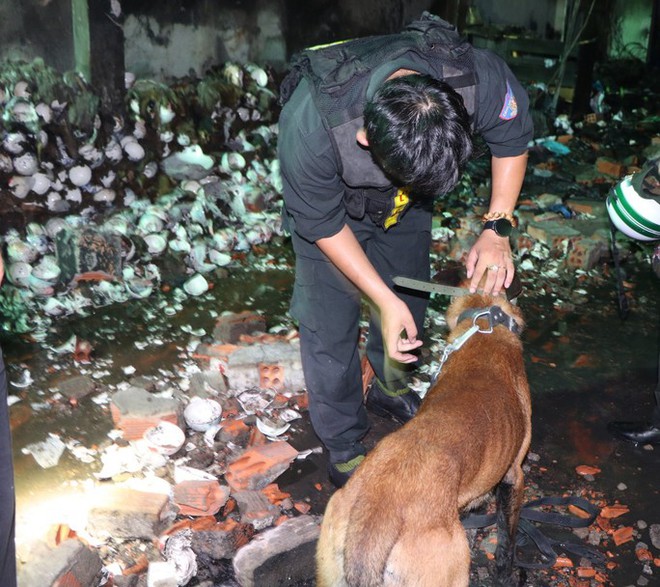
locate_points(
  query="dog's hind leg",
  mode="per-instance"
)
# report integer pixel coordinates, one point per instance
(330, 547)
(509, 496)
(436, 557)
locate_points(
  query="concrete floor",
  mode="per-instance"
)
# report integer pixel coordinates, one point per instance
(585, 366)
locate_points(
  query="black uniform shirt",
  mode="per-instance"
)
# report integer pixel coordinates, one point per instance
(313, 188)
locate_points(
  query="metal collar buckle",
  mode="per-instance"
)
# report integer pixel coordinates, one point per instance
(494, 315)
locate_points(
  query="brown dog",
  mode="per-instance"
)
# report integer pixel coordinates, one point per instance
(396, 522)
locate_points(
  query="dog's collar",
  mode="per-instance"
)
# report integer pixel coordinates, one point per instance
(494, 315)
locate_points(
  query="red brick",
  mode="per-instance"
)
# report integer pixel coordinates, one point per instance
(135, 426)
(260, 465)
(67, 580)
(199, 498)
(585, 253)
(610, 167)
(235, 430)
(623, 535)
(271, 376)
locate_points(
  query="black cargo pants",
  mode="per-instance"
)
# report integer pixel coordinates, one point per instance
(328, 307)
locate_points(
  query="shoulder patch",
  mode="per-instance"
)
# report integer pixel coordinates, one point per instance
(510, 107)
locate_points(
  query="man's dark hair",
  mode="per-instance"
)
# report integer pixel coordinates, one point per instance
(419, 133)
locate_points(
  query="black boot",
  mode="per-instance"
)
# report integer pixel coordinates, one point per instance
(637, 432)
(400, 406)
(340, 473)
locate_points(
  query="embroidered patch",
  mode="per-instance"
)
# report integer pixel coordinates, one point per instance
(510, 108)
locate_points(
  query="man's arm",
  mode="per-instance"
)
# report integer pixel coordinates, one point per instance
(345, 252)
(491, 249)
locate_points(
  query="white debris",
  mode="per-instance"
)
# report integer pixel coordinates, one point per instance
(48, 452)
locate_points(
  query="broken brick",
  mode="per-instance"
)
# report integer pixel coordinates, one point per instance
(552, 233)
(604, 523)
(585, 253)
(274, 494)
(622, 535)
(134, 410)
(301, 401)
(586, 572)
(200, 498)
(614, 511)
(122, 512)
(610, 167)
(88, 250)
(302, 507)
(71, 564)
(260, 465)
(255, 509)
(282, 555)
(563, 562)
(221, 539)
(257, 437)
(58, 533)
(643, 554)
(587, 470)
(140, 566)
(367, 374)
(583, 360)
(235, 430)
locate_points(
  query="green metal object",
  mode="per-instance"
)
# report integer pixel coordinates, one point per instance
(81, 39)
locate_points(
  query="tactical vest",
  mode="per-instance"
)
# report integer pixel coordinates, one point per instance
(338, 76)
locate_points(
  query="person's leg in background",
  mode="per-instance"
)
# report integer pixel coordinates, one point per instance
(7, 491)
(641, 432)
(644, 432)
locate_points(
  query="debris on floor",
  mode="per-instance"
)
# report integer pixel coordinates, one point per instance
(158, 403)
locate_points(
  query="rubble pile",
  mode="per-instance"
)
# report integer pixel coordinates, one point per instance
(180, 186)
(188, 470)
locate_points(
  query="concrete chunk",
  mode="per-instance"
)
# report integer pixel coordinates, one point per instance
(125, 513)
(135, 409)
(279, 556)
(69, 564)
(275, 364)
(77, 387)
(256, 509)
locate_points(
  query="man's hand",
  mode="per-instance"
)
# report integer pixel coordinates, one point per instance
(395, 320)
(489, 264)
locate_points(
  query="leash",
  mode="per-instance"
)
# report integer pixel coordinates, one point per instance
(618, 274)
(528, 533)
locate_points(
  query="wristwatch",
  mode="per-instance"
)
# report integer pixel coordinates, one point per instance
(501, 226)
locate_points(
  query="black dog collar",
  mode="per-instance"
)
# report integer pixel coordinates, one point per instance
(495, 316)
